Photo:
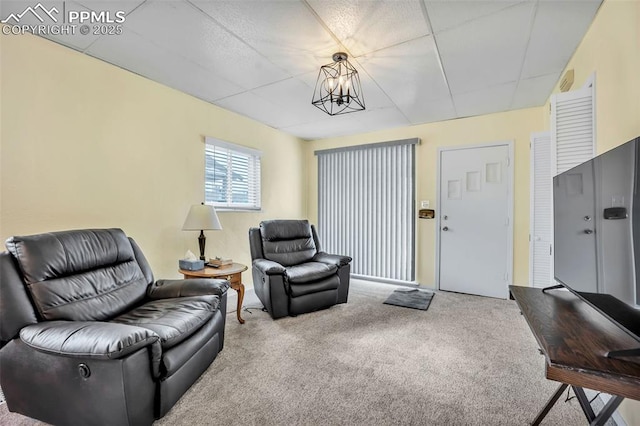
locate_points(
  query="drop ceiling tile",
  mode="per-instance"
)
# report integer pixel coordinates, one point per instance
(286, 32)
(111, 5)
(132, 52)
(309, 78)
(487, 51)
(258, 108)
(378, 119)
(429, 110)
(347, 124)
(446, 14)
(561, 25)
(292, 97)
(366, 26)
(534, 91)
(374, 95)
(408, 73)
(484, 101)
(183, 29)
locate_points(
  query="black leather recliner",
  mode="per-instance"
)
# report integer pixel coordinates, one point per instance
(88, 337)
(291, 276)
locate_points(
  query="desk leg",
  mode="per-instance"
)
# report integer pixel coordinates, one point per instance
(604, 414)
(240, 290)
(584, 403)
(607, 411)
(545, 410)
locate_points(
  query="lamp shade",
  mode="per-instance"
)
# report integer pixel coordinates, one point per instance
(201, 217)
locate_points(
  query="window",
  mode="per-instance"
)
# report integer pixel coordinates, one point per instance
(231, 176)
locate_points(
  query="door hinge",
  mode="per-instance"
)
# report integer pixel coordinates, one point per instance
(550, 250)
(506, 276)
(506, 223)
(508, 161)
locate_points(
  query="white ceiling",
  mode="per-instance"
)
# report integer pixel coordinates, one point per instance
(420, 60)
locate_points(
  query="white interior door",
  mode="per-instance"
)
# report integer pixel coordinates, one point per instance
(475, 230)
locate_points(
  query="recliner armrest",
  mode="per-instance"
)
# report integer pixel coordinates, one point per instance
(268, 267)
(168, 289)
(331, 259)
(86, 339)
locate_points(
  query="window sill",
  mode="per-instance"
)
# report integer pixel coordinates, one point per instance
(237, 210)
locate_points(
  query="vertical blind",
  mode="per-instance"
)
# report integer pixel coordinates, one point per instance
(366, 207)
(232, 175)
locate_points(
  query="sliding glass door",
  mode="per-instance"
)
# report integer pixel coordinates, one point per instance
(366, 207)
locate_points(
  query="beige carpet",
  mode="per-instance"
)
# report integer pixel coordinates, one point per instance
(466, 361)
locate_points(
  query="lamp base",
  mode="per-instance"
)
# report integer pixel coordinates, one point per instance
(202, 240)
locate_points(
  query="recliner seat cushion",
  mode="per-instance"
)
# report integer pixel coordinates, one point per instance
(173, 359)
(328, 284)
(287, 242)
(172, 319)
(309, 272)
(82, 275)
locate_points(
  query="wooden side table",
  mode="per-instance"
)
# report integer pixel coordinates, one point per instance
(231, 273)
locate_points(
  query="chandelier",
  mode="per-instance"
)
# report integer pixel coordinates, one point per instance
(338, 89)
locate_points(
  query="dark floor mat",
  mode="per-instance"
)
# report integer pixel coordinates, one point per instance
(412, 298)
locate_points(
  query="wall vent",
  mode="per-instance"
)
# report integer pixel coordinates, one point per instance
(567, 81)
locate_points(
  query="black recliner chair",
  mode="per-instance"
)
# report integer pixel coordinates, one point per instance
(291, 275)
(88, 337)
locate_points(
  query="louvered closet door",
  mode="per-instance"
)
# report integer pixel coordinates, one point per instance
(572, 142)
(572, 128)
(541, 235)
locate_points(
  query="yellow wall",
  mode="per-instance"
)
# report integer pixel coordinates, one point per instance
(514, 125)
(87, 144)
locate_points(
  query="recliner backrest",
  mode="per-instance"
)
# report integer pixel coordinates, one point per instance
(287, 242)
(16, 309)
(82, 275)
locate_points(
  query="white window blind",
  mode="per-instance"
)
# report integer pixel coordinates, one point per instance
(232, 176)
(366, 208)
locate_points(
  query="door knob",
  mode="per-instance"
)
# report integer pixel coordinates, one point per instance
(588, 231)
(446, 228)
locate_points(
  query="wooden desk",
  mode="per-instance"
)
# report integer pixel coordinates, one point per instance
(231, 273)
(574, 339)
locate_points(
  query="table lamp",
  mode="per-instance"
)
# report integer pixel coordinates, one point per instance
(201, 217)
